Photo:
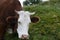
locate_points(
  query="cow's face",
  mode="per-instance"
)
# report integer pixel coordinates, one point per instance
(23, 24)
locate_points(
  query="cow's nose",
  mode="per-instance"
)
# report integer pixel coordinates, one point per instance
(25, 37)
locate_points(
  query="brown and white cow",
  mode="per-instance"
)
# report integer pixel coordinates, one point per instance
(8, 16)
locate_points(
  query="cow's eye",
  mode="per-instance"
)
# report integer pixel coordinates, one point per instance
(19, 22)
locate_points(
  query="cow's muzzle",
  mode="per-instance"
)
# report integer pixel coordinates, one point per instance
(24, 37)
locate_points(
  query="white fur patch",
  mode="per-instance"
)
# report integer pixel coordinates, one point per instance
(23, 22)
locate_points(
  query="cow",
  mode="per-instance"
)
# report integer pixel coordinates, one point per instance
(23, 23)
(8, 16)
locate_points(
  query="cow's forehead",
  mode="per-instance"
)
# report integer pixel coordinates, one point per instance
(25, 11)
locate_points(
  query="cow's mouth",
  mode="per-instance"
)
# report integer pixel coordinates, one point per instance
(35, 19)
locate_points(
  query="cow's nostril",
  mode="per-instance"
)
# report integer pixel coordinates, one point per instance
(25, 37)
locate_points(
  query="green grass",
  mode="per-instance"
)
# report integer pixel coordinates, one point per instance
(48, 28)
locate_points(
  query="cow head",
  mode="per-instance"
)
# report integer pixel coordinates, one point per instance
(23, 24)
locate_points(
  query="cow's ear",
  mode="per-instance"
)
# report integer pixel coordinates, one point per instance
(8, 18)
(35, 19)
(16, 16)
(11, 18)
